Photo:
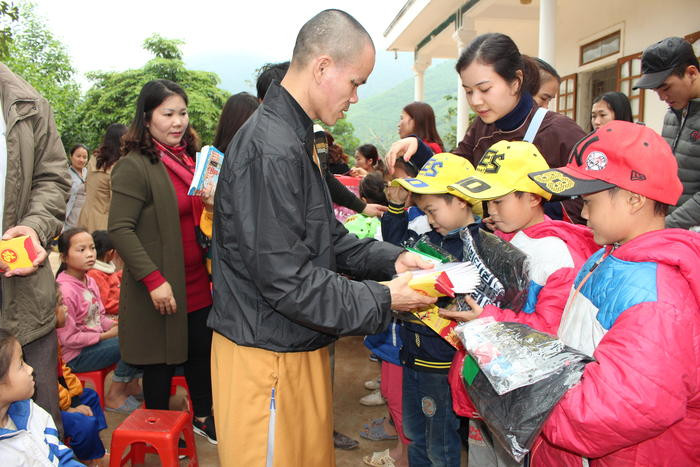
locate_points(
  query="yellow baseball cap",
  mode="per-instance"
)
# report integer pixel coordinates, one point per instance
(437, 173)
(503, 169)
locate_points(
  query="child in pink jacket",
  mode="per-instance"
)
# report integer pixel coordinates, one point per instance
(89, 339)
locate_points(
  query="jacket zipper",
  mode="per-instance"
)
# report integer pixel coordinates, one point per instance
(587, 276)
(684, 117)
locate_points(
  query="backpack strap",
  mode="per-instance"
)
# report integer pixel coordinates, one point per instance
(535, 124)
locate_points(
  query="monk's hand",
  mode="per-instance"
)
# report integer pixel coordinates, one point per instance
(404, 298)
(408, 261)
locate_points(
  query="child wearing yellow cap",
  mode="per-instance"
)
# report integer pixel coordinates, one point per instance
(555, 249)
(429, 420)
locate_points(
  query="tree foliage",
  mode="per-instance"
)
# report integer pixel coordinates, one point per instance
(8, 14)
(113, 95)
(344, 135)
(41, 60)
(168, 49)
(449, 138)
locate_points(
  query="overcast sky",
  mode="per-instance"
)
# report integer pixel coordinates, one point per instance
(101, 35)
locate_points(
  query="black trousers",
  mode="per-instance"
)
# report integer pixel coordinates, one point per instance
(157, 378)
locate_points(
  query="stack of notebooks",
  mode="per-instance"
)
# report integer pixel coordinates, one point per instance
(446, 279)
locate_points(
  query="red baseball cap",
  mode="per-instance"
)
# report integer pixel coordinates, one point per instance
(623, 154)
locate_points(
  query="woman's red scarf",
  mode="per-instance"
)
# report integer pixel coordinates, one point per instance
(175, 158)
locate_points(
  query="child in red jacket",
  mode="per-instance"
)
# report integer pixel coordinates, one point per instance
(633, 307)
(105, 273)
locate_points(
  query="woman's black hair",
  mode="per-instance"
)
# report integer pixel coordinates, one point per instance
(76, 147)
(236, 111)
(408, 166)
(369, 151)
(7, 341)
(103, 244)
(109, 151)
(64, 244)
(547, 68)
(499, 51)
(372, 188)
(137, 137)
(618, 103)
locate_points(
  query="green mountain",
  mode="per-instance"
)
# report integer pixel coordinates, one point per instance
(376, 118)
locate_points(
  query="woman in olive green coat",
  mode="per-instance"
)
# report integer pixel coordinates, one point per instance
(165, 295)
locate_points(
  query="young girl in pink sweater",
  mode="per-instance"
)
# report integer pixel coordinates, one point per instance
(89, 339)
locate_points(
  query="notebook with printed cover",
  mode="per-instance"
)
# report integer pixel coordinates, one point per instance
(452, 280)
(206, 170)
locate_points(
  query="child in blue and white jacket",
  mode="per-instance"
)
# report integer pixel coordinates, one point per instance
(28, 434)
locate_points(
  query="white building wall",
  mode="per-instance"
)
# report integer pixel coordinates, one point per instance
(642, 22)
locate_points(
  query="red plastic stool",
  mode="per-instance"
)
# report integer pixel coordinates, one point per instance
(179, 381)
(153, 431)
(98, 380)
(182, 382)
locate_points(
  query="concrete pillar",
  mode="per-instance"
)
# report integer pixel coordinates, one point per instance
(548, 30)
(420, 64)
(462, 37)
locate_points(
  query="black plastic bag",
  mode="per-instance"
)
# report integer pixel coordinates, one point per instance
(515, 418)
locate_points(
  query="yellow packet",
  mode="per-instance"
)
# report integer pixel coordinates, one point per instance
(18, 252)
(435, 284)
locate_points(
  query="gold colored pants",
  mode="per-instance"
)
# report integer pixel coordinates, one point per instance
(271, 409)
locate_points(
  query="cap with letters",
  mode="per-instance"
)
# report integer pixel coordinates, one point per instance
(618, 154)
(503, 169)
